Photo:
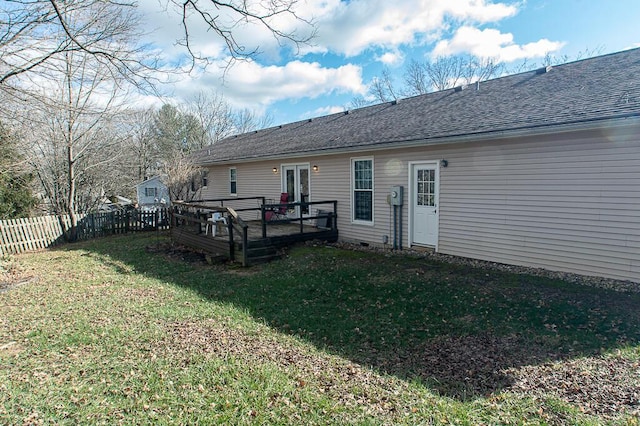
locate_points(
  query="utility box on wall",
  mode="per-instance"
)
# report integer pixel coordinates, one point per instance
(396, 196)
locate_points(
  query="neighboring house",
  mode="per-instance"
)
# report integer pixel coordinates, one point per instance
(539, 169)
(152, 192)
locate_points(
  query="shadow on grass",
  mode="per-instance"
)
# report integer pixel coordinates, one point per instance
(457, 329)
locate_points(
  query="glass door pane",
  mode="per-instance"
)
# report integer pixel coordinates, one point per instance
(296, 184)
(303, 174)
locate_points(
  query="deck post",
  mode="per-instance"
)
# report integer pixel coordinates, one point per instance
(232, 249)
(334, 222)
(245, 245)
(301, 220)
(263, 214)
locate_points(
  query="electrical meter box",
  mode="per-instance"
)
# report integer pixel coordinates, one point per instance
(396, 195)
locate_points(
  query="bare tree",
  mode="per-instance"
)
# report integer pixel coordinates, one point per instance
(416, 79)
(35, 35)
(138, 126)
(440, 74)
(214, 116)
(180, 175)
(226, 18)
(445, 72)
(382, 88)
(481, 69)
(72, 133)
(552, 60)
(358, 101)
(246, 120)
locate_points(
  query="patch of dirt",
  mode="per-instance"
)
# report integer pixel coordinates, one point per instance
(12, 276)
(177, 252)
(189, 255)
(10, 349)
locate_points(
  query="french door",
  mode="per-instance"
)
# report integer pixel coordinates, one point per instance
(295, 182)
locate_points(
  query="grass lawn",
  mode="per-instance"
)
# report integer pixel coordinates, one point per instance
(123, 330)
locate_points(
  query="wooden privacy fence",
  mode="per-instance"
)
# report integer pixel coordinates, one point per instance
(21, 235)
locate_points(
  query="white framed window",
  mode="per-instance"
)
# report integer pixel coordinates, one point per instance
(362, 190)
(151, 192)
(233, 181)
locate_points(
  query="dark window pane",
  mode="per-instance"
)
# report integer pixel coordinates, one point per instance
(363, 174)
(363, 205)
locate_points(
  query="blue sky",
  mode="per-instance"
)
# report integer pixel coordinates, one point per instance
(357, 38)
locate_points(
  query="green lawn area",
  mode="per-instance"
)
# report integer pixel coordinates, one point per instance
(123, 330)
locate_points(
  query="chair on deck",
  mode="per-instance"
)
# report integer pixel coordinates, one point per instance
(279, 213)
(214, 221)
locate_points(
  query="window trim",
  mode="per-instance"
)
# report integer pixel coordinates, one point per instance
(353, 190)
(147, 190)
(233, 181)
(205, 178)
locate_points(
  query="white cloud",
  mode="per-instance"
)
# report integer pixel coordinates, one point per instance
(249, 84)
(390, 58)
(491, 43)
(352, 27)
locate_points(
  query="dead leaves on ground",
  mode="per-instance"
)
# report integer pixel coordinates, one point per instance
(350, 384)
(469, 365)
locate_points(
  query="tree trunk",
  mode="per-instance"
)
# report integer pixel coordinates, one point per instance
(71, 172)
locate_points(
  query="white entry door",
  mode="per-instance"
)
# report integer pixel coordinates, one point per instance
(295, 182)
(424, 204)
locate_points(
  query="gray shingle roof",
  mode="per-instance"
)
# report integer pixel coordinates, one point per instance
(603, 87)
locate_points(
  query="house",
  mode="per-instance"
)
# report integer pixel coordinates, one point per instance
(152, 192)
(539, 169)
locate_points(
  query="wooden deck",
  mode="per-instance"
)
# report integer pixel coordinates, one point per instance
(251, 241)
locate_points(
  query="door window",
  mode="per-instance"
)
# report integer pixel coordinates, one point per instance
(426, 181)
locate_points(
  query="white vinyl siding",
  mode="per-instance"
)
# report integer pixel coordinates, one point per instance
(152, 191)
(568, 205)
(567, 202)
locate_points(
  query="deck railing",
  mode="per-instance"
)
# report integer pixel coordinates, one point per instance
(193, 218)
(191, 221)
(270, 215)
